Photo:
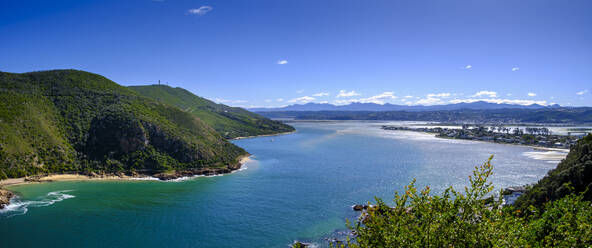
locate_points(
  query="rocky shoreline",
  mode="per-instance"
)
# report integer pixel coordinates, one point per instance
(5, 197)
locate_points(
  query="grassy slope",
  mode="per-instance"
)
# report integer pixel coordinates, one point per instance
(67, 120)
(230, 122)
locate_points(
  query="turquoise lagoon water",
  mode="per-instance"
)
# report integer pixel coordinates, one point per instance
(299, 186)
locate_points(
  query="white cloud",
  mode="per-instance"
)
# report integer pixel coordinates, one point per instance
(300, 91)
(515, 68)
(509, 94)
(441, 95)
(267, 100)
(500, 101)
(531, 94)
(343, 93)
(282, 62)
(323, 102)
(304, 99)
(485, 93)
(279, 100)
(201, 10)
(380, 98)
(468, 67)
(377, 99)
(321, 94)
(579, 93)
(408, 96)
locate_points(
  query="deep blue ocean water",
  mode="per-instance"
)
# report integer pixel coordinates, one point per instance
(299, 186)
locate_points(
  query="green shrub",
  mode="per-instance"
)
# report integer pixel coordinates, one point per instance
(470, 219)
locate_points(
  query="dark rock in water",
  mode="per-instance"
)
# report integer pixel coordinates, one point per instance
(298, 244)
(359, 207)
(167, 176)
(5, 196)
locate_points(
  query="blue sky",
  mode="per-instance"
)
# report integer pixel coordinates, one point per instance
(273, 53)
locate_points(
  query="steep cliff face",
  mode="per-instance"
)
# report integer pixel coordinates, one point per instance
(75, 121)
(115, 135)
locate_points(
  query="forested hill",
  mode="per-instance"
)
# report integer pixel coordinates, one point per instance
(75, 121)
(230, 122)
(572, 175)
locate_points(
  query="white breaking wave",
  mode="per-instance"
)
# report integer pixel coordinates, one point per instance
(18, 207)
(145, 179)
(180, 179)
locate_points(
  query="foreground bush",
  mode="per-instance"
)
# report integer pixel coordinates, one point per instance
(471, 219)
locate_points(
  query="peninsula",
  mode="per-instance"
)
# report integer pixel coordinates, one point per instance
(76, 122)
(531, 136)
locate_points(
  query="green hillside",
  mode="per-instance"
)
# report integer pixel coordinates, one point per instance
(230, 122)
(75, 121)
(573, 174)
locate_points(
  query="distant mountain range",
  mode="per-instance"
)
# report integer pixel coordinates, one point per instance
(393, 107)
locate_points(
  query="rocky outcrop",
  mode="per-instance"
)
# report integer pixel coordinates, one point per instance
(298, 244)
(207, 171)
(5, 197)
(189, 173)
(359, 207)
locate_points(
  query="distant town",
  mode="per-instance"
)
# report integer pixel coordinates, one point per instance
(532, 136)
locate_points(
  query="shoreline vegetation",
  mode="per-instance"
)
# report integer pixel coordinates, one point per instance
(164, 176)
(540, 138)
(6, 194)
